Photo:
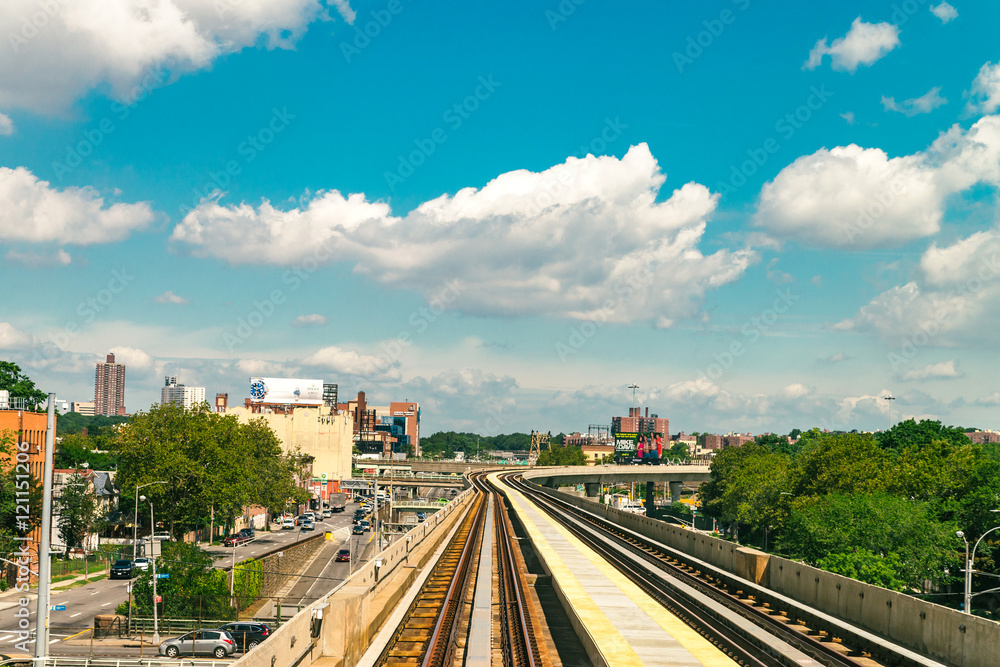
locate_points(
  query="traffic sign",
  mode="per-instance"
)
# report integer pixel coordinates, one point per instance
(162, 575)
(58, 607)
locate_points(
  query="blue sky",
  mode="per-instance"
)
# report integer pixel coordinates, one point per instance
(766, 216)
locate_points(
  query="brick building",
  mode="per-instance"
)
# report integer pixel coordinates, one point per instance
(109, 388)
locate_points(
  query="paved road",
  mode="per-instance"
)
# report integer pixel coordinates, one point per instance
(102, 597)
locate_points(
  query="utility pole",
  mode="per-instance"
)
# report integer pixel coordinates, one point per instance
(890, 398)
(633, 387)
(44, 562)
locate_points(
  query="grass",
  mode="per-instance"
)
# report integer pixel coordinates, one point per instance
(84, 582)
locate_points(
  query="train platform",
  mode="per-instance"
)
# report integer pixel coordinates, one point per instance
(619, 622)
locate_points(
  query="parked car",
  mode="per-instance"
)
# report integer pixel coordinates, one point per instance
(343, 556)
(247, 635)
(248, 533)
(421, 517)
(365, 526)
(327, 513)
(308, 525)
(142, 564)
(200, 642)
(288, 523)
(162, 536)
(122, 569)
(358, 530)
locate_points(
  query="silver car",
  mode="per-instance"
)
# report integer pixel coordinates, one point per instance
(218, 643)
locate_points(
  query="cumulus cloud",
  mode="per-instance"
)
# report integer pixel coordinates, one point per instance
(313, 320)
(12, 338)
(942, 371)
(849, 117)
(924, 104)
(350, 362)
(170, 297)
(863, 44)
(835, 358)
(985, 94)
(990, 400)
(344, 7)
(944, 11)
(474, 400)
(32, 210)
(57, 258)
(6, 125)
(954, 299)
(521, 245)
(858, 198)
(60, 51)
(135, 360)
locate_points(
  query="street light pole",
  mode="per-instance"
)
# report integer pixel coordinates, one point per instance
(633, 387)
(890, 398)
(152, 553)
(135, 519)
(969, 559)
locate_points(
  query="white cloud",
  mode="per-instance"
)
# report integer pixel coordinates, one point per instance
(261, 368)
(863, 44)
(6, 125)
(31, 210)
(12, 338)
(985, 94)
(349, 362)
(954, 299)
(924, 104)
(849, 117)
(469, 399)
(942, 371)
(521, 245)
(858, 198)
(170, 297)
(56, 52)
(777, 276)
(990, 400)
(313, 320)
(944, 11)
(835, 358)
(135, 360)
(344, 7)
(57, 258)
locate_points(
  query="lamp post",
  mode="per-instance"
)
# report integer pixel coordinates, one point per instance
(152, 526)
(633, 387)
(969, 558)
(890, 398)
(135, 519)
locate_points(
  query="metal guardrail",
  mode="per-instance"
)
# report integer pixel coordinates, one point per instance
(173, 625)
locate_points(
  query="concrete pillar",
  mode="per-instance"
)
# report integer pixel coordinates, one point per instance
(593, 489)
(651, 499)
(675, 491)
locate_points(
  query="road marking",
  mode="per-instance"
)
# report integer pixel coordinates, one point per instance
(53, 641)
(76, 614)
(105, 604)
(3, 639)
(77, 634)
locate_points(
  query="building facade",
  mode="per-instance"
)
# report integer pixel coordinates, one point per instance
(85, 408)
(109, 388)
(179, 394)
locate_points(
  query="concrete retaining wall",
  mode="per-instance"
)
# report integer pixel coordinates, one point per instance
(944, 634)
(353, 612)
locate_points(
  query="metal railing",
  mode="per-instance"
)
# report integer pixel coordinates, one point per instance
(62, 661)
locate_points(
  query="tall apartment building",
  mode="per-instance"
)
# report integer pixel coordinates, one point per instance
(180, 394)
(636, 423)
(109, 388)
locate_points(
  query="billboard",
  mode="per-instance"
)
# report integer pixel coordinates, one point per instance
(625, 444)
(286, 391)
(638, 447)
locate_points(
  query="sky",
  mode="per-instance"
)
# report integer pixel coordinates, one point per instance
(764, 216)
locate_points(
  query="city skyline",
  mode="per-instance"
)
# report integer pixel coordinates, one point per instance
(766, 218)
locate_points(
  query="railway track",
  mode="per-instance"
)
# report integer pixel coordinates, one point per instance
(429, 629)
(752, 631)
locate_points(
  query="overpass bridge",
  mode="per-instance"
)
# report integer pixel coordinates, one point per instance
(350, 624)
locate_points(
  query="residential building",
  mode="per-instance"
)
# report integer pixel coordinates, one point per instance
(393, 429)
(221, 403)
(636, 423)
(27, 430)
(179, 394)
(109, 388)
(595, 453)
(99, 483)
(85, 408)
(983, 437)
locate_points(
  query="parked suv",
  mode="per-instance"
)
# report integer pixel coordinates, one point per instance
(142, 564)
(248, 533)
(200, 642)
(247, 635)
(122, 569)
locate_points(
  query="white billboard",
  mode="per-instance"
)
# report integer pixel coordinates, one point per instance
(286, 391)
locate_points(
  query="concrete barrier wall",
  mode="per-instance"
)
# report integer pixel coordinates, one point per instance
(945, 634)
(353, 612)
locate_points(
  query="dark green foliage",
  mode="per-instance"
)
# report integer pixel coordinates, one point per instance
(77, 511)
(72, 451)
(20, 385)
(444, 444)
(73, 423)
(562, 456)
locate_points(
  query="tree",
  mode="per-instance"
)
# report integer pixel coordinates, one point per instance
(74, 450)
(20, 385)
(77, 511)
(909, 433)
(847, 462)
(562, 456)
